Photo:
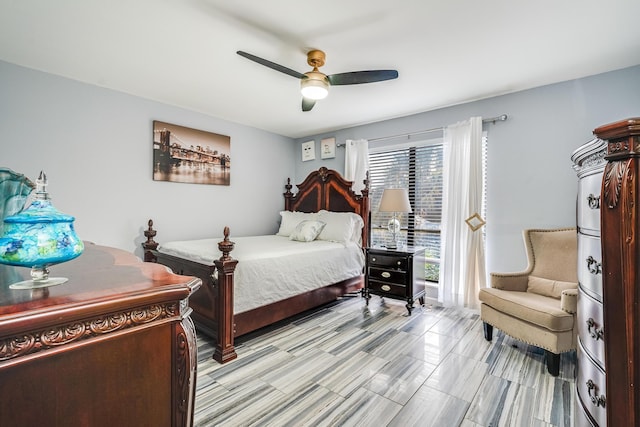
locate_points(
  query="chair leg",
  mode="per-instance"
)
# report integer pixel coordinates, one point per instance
(488, 331)
(553, 363)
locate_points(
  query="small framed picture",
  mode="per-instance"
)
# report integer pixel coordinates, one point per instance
(308, 150)
(328, 148)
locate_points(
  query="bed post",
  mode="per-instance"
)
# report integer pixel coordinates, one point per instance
(150, 244)
(288, 195)
(366, 211)
(224, 349)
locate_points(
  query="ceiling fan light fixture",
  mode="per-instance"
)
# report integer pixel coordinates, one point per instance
(315, 86)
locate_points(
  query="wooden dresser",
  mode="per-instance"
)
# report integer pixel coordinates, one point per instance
(608, 377)
(114, 346)
(620, 229)
(588, 162)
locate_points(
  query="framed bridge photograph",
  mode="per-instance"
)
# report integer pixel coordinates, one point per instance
(182, 154)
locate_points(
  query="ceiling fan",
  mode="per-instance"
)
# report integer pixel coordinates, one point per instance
(314, 84)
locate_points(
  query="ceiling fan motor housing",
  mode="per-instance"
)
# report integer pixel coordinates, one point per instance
(316, 58)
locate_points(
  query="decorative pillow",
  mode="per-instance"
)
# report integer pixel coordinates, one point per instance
(547, 287)
(340, 226)
(290, 220)
(307, 231)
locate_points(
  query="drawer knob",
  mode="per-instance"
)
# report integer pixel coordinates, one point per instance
(595, 332)
(373, 259)
(385, 288)
(593, 201)
(593, 266)
(385, 274)
(593, 394)
(399, 263)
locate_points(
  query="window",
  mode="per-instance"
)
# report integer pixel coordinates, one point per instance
(417, 168)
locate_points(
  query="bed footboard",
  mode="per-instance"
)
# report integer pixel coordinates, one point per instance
(212, 304)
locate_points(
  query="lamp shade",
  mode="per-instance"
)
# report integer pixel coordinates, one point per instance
(395, 200)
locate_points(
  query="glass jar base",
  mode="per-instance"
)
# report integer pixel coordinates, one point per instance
(36, 284)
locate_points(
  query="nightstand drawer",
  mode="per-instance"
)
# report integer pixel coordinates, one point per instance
(391, 289)
(387, 261)
(390, 276)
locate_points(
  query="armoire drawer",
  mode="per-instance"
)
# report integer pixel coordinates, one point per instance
(591, 386)
(581, 419)
(590, 265)
(589, 202)
(591, 326)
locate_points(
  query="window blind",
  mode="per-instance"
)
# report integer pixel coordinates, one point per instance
(419, 170)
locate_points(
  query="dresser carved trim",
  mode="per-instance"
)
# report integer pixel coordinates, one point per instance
(621, 273)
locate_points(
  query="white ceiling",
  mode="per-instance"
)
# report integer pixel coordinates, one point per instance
(447, 52)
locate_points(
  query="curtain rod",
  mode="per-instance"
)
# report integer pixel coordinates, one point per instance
(492, 120)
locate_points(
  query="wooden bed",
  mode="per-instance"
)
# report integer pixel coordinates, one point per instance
(213, 304)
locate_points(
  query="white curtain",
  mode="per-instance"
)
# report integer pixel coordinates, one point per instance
(462, 263)
(356, 162)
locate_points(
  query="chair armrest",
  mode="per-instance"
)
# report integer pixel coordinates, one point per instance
(569, 300)
(510, 281)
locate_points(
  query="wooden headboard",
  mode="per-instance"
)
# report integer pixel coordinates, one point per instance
(327, 189)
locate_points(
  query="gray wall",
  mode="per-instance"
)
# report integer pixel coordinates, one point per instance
(96, 147)
(530, 182)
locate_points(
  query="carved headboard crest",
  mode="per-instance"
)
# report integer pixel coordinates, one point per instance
(324, 173)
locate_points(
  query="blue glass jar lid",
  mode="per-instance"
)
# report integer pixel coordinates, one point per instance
(40, 210)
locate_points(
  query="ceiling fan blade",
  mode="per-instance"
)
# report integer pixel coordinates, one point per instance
(271, 65)
(307, 104)
(358, 77)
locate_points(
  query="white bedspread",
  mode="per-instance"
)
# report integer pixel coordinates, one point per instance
(272, 268)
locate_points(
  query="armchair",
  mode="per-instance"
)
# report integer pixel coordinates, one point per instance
(537, 305)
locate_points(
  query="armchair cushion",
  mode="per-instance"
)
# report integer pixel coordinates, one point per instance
(533, 308)
(547, 287)
(510, 281)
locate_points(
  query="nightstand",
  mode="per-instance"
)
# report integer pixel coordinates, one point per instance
(396, 273)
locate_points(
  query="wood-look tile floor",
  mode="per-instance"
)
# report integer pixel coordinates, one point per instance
(347, 364)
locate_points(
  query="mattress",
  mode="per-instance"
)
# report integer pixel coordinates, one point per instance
(272, 268)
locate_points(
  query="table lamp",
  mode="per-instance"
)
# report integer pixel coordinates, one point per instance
(38, 237)
(394, 200)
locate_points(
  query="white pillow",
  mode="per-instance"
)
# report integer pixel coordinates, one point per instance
(290, 220)
(340, 226)
(307, 231)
